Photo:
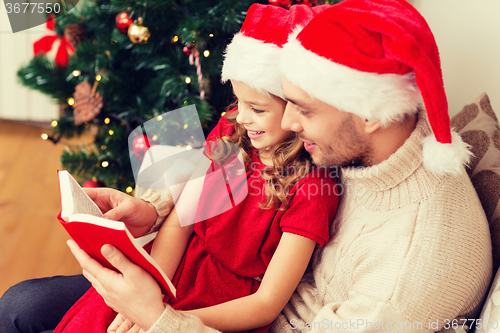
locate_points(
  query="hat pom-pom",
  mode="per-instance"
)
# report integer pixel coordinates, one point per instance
(446, 158)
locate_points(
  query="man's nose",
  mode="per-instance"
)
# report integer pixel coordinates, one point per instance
(289, 122)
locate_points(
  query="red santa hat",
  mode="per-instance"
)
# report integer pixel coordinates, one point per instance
(377, 59)
(254, 53)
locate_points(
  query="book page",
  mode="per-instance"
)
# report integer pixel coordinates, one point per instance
(76, 201)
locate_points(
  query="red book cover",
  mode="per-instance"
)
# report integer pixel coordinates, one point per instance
(80, 216)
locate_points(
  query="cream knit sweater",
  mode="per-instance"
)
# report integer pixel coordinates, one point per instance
(409, 250)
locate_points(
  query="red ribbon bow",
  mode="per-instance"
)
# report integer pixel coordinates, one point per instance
(44, 45)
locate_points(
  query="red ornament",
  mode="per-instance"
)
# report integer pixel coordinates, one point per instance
(286, 4)
(92, 183)
(309, 3)
(281, 3)
(188, 49)
(140, 145)
(123, 21)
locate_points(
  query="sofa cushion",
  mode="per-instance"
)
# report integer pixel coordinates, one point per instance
(490, 315)
(478, 126)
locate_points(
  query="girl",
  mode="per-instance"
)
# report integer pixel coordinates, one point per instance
(238, 269)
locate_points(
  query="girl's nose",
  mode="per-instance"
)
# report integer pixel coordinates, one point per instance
(243, 117)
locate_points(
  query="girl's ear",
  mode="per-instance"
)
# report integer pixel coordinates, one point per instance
(371, 126)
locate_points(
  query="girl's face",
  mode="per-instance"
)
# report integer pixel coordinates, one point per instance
(261, 115)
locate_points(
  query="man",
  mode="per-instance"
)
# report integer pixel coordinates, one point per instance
(410, 245)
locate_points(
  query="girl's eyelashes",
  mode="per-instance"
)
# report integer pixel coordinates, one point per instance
(257, 110)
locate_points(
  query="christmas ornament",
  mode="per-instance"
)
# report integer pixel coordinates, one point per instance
(88, 103)
(188, 49)
(93, 183)
(74, 34)
(288, 3)
(194, 59)
(140, 145)
(309, 3)
(45, 44)
(281, 3)
(123, 22)
(138, 33)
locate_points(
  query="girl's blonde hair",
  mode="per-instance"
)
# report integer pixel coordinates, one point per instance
(290, 161)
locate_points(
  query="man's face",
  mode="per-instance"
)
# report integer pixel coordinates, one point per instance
(332, 137)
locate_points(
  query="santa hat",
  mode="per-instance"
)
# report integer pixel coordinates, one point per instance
(377, 59)
(254, 53)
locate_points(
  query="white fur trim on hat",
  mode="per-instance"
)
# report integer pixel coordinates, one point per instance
(255, 63)
(371, 96)
(445, 158)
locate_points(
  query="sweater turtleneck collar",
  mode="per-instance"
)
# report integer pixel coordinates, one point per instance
(371, 184)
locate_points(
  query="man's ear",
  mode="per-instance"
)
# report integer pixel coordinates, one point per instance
(372, 125)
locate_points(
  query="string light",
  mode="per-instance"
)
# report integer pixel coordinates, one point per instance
(76, 73)
(211, 35)
(129, 189)
(107, 121)
(53, 123)
(105, 164)
(98, 77)
(159, 118)
(111, 132)
(223, 114)
(44, 136)
(71, 101)
(185, 126)
(206, 53)
(103, 147)
(155, 137)
(175, 39)
(188, 80)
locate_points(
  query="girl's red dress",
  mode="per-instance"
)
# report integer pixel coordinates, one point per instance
(228, 254)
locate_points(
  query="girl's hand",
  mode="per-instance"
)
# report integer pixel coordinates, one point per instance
(123, 325)
(137, 214)
(132, 292)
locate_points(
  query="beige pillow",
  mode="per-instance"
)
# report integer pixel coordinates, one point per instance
(478, 126)
(490, 315)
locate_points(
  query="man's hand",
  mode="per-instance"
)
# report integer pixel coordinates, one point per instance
(137, 214)
(133, 292)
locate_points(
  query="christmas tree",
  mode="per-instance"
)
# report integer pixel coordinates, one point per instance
(120, 63)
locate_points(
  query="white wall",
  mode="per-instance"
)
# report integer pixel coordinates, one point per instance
(467, 33)
(16, 101)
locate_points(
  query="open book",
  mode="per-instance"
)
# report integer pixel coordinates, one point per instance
(81, 218)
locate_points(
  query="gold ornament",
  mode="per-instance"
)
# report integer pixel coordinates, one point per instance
(138, 33)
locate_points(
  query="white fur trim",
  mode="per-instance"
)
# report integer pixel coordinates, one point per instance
(448, 158)
(255, 63)
(372, 96)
